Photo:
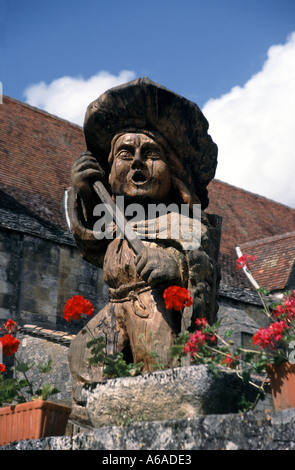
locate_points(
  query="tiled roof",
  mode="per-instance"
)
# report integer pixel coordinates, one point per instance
(37, 150)
(230, 275)
(275, 260)
(36, 154)
(53, 335)
(246, 216)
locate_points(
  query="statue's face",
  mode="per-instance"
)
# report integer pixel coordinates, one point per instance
(140, 169)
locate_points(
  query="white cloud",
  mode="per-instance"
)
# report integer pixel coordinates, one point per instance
(68, 97)
(254, 128)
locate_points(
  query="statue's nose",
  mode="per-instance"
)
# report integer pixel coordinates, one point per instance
(137, 160)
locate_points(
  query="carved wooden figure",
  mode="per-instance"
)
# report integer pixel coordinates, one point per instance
(149, 146)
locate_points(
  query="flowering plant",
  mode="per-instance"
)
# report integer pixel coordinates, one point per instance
(273, 342)
(271, 345)
(20, 388)
(276, 339)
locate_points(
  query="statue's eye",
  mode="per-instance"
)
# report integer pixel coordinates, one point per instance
(124, 154)
(153, 154)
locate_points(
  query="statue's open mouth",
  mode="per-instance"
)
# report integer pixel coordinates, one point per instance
(139, 177)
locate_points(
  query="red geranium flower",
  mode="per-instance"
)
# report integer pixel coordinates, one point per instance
(10, 326)
(10, 344)
(244, 260)
(199, 338)
(2, 368)
(286, 311)
(77, 306)
(202, 322)
(195, 342)
(230, 360)
(268, 337)
(177, 298)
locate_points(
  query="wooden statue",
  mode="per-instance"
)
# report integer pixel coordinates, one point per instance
(149, 146)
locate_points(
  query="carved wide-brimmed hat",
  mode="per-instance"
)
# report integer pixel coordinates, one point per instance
(144, 104)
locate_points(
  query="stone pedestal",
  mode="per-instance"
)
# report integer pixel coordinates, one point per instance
(184, 392)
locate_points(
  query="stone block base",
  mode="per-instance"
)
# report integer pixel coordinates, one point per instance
(183, 392)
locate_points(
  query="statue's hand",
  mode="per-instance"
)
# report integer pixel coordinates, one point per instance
(86, 170)
(156, 266)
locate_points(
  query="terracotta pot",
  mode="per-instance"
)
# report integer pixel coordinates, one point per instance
(32, 420)
(282, 380)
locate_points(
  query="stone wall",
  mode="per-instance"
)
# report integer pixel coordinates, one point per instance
(39, 273)
(39, 345)
(242, 431)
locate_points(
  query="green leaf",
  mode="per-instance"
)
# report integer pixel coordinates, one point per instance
(116, 366)
(24, 367)
(249, 356)
(46, 391)
(263, 291)
(9, 391)
(97, 359)
(22, 383)
(227, 333)
(98, 342)
(177, 351)
(96, 346)
(246, 374)
(45, 367)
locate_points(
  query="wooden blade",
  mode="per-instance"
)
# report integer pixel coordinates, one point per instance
(121, 222)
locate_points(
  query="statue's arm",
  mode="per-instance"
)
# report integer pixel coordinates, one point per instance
(81, 200)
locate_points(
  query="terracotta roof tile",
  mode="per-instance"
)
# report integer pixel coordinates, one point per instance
(57, 336)
(274, 262)
(247, 216)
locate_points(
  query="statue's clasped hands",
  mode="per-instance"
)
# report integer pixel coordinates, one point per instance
(156, 266)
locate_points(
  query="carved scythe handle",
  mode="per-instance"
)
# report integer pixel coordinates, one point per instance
(119, 218)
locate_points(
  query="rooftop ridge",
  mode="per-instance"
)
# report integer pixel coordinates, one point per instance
(261, 241)
(41, 111)
(259, 196)
(54, 335)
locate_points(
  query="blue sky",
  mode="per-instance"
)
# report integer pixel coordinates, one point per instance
(232, 57)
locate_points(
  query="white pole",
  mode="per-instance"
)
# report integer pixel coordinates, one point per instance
(246, 270)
